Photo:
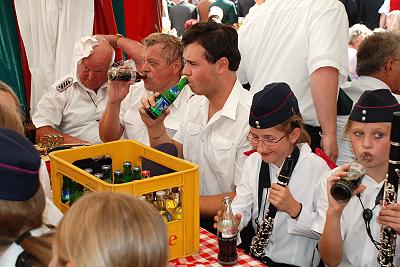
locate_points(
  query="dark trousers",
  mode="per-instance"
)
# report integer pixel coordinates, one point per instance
(315, 134)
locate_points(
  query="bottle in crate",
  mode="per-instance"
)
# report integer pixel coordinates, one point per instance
(137, 173)
(160, 205)
(107, 173)
(128, 176)
(177, 197)
(118, 177)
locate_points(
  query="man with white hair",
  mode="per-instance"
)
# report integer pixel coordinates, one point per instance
(73, 105)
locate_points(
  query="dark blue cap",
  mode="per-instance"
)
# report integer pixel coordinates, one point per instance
(19, 167)
(375, 106)
(272, 106)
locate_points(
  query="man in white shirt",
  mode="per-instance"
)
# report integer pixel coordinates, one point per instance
(378, 67)
(72, 106)
(302, 43)
(162, 66)
(214, 133)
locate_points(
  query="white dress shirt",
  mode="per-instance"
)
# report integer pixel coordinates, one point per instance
(287, 40)
(134, 127)
(291, 241)
(358, 249)
(217, 145)
(76, 111)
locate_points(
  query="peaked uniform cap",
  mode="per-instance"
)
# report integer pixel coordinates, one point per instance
(375, 106)
(272, 106)
(19, 167)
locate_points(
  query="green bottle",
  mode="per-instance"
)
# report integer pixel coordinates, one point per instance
(107, 174)
(118, 177)
(166, 99)
(137, 173)
(128, 177)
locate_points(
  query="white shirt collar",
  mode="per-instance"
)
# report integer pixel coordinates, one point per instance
(374, 82)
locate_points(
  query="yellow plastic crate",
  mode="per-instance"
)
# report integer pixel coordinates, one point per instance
(183, 234)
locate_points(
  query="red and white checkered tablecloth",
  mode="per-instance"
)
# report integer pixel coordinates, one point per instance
(208, 254)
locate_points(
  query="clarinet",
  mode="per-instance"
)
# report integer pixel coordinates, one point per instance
(261, 240)
(387, 248)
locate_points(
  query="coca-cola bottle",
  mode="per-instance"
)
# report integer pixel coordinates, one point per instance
(227, 235)
(124, 74)
(29, 127)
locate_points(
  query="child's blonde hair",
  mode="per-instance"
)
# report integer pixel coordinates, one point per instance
(112, 230)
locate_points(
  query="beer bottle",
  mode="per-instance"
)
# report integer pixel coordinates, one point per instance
(166, 99)
(118, 177)
(160, 203)
(227, 232)
(107, 174)
(137, 173)
(124, 74)
(128, 177)
(29, 127)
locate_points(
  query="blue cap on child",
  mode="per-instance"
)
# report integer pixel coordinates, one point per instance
(375, 106)
(19, 167)
(272, 106)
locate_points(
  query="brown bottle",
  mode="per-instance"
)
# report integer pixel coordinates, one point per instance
(29, 127)
(124, 74)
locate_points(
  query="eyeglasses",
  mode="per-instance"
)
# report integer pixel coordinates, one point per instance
(255, 140)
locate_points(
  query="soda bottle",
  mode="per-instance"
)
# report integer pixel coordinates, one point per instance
(160, 203)
(124, 74)
(127, 166)
(137, 173)
(227, 232)
(166, 99)
(107, 173)
(118, 177)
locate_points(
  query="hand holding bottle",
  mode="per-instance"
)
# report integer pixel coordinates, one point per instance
(118, 89)
(237, 216)
(146, 104)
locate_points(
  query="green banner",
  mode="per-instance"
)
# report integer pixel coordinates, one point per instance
(10, 57)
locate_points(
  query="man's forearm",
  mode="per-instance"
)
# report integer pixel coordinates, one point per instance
(133, 48)
(209, 205)
(324, 86)
(48, 130)
(110, 128)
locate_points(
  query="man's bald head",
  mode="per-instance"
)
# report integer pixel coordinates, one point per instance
(92, 70)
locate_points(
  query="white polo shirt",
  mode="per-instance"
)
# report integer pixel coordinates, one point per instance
(75, 111)
(358, 249)
(291, 241)
(217, 145)
(129, 116)
(287, 40)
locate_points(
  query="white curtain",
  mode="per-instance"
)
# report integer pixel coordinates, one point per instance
(49, 29)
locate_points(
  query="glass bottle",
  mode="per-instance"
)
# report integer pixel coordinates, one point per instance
(107, 173)
(342, 190)
(118, 177)
(137, 173)
(166, 99)
(127, 167)
(227, 233)
(29, 127)
(160, 203)
(124, 74)
(177, 197)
